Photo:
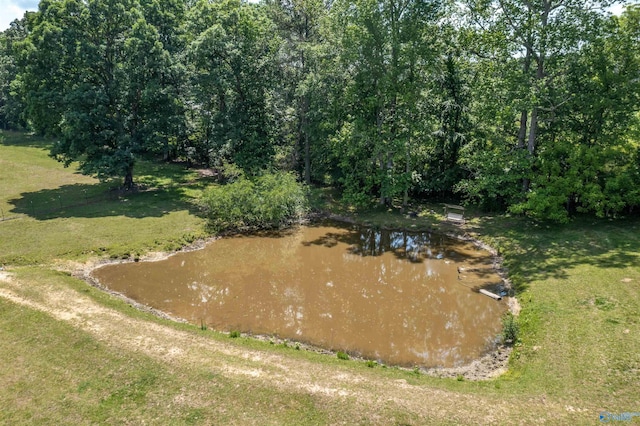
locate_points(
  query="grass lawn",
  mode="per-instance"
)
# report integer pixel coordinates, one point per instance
(580, 293)
(73, 378)
(578, 285)
(52, 212)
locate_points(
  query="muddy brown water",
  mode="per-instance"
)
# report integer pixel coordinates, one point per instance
(401, 298)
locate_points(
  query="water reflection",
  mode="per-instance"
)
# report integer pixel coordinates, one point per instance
(394, 296)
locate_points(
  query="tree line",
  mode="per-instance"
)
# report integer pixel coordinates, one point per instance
(530, 106)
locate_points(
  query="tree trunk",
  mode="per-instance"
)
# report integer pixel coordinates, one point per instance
(540, 71)
(522, 133)
(383, 198)
(531, 143)
(533, 130)
(524, 116)
(407, 170)
(307, 159)
(165, 150)
(128, 179)
(304, 128)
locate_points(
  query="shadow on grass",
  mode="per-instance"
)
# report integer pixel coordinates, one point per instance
(539, 251)
(23, 139)
(88, 201)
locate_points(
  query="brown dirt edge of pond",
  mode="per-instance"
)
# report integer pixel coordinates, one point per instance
(492, 364)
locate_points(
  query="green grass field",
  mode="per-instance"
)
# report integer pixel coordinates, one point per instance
(55, 213)
(578, 285)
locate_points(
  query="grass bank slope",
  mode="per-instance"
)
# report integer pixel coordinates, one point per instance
(74, 355)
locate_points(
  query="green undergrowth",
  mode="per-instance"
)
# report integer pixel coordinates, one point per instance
(267, 201)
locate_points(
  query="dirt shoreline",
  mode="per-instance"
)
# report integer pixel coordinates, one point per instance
(490, 365)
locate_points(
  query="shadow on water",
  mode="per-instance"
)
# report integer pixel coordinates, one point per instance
(394, 296)
(476, 269)
(412, 246)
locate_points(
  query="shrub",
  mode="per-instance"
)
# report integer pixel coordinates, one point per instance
(510, 328)
(267, 201)
(343, 355)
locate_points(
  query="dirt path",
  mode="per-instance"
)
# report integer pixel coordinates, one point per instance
(269, 369)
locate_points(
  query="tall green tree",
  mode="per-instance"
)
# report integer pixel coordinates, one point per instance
(526, 57)
(11, 95)
(169, 131)
(93, 71)
(300, 26)
(449, 102)
(540, 33)
(233, 65)
(386, 50)
(589, 160)
(48, 61)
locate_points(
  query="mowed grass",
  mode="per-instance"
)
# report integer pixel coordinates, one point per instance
(52, 212)
(579, 287)
(74, 379)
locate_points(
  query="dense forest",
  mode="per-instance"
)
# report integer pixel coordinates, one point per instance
(528, 106)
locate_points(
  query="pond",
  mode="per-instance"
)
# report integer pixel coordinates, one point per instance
(398, 297)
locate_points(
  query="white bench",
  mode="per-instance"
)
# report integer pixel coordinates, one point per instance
(454, 213)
